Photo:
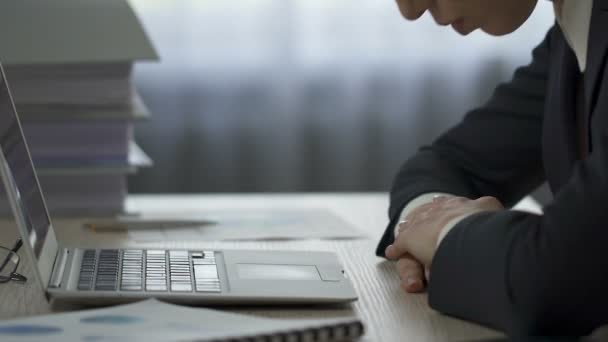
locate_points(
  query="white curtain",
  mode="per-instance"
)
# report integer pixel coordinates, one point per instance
(306, 95)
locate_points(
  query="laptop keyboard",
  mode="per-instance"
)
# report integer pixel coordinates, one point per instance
(148, 270)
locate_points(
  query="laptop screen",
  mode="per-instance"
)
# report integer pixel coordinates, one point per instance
(19, 176)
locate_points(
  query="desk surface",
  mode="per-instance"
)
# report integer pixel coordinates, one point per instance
(388, 313)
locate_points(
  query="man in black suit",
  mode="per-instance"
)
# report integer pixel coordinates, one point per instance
(518, 272)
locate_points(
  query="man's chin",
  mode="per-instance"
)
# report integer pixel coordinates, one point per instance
(500, 30)
(461, 27)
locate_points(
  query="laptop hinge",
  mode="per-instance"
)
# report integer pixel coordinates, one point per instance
(59, 269)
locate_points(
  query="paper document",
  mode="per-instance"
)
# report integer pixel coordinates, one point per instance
(152, 320)
(254, 224)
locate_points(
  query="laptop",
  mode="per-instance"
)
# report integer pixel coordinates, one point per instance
(197, 276)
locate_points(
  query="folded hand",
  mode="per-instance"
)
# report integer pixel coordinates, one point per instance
(417, 240)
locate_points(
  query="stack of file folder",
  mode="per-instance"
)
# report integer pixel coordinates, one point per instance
(69, 65)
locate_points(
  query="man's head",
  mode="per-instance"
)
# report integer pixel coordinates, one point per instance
(496, 17)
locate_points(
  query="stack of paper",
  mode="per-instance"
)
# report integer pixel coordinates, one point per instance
(72, 84)
(69, 66)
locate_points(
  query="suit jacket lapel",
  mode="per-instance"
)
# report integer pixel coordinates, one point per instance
(596, 52)
(560, 144)
(560, 135)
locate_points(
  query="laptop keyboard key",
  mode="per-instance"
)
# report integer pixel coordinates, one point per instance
(87, 270)
(179, 271)
(132, 273)
(107, 270)
(156, 270)
(205, 273)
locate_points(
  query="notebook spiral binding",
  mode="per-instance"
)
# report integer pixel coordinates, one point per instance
(331, 333)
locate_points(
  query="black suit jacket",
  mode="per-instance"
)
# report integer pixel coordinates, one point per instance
(518, 272)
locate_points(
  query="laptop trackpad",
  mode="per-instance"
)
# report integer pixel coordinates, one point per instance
(277, 272)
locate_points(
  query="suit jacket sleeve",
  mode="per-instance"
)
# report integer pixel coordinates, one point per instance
(495, 150)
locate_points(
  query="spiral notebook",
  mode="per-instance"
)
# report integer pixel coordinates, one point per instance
(152, 320)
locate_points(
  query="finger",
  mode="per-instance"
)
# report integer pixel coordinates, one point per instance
(489, 202)
(456, 200)
(412, 9)
(411, 273)
(391, 253)
(398, 248)
(420, 213)
(408, 266)
(487, 199)
(413, 217)
(402, 226)
(419, 210)
(439, 198)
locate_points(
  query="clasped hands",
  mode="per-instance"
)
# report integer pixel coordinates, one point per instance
(420, 233)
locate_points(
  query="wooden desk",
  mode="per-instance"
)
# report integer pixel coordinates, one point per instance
(388, 313)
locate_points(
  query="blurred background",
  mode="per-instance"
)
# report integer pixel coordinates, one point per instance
(305, 95)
